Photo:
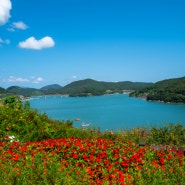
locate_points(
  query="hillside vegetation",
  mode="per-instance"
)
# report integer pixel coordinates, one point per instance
(53, 86)
(171, 90)
(26, 92)
(3, 94)
(35, 149)
(85, 87)
(92, 87)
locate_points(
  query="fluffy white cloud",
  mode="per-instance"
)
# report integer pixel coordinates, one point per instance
(5, 7)
(32, 43)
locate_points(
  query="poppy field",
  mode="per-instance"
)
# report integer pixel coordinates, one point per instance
(61, 154)
(88, 161)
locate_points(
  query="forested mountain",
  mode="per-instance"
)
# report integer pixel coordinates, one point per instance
(92, 87)
(85, 87)
(171, 90)
(50, 89)
(3, 92)
(26, 92)
(53, 86)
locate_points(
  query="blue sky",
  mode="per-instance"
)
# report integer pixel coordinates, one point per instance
(45, 42)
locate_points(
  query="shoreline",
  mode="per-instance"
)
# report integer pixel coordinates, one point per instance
(67, 95)
(157, 101)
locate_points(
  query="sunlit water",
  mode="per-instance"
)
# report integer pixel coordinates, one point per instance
(110, 112)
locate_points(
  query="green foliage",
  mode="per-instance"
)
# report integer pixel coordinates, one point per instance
(26, 92)
(84, 156)
(3, 93)
(26, 124)
(169, 134)
(165, 134)
(172, 90)
(11, 101)
(136, 135)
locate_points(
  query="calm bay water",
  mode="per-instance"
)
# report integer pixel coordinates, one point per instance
(110, 112)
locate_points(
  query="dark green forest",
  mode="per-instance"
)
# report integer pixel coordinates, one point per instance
(171, 90)
(89, 87)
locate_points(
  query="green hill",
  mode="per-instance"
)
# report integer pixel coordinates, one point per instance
(26, 92)
(170, 90)
(48, 87)
(89, 87)
(3, 93)
(2, 90)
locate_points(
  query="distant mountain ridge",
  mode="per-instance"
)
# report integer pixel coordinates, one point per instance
(2, 90)
(53, 86)
(89, 87)
(26, 92)
(85, 87)
(170, 90)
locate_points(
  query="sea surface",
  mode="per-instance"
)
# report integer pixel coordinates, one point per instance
(112, 112)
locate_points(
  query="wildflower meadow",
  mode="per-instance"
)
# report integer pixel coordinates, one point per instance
(45, 151)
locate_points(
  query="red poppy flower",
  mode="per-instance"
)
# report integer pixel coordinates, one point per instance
(75, 156)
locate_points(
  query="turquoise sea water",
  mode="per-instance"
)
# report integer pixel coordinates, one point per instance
(111, 112)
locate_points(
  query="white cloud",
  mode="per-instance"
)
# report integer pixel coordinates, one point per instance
(5, 7)
(14, 79)
(32, 43)
(17, 79)
(74, 77)
(19, 25)
(38, 80)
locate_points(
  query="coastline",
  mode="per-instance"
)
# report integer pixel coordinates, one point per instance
(37, 97)
(157, 101)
